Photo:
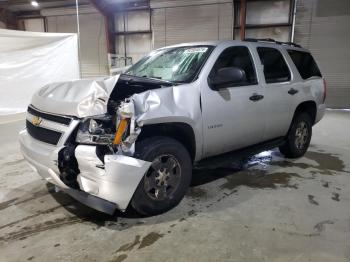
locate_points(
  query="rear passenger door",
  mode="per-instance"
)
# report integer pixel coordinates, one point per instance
(279, 89)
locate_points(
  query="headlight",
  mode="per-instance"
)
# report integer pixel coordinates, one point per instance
(94, 127)
(96, 130)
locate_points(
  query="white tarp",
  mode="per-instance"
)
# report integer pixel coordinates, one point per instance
(30, 60)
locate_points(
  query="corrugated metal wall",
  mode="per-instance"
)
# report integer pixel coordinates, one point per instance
(93, 48)
(176, 22)
(323, 26)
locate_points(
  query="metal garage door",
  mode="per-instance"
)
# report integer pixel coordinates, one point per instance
(323, 26)
(93, 50)
(177, 24)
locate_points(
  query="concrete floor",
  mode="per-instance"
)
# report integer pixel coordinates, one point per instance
(264, 209)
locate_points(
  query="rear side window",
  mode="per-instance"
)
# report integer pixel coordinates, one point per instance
(275, 67)
(305, 64)
(237, 56)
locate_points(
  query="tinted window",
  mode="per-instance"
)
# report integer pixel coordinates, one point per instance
(305, 64)
(237, 56)
(275, 67)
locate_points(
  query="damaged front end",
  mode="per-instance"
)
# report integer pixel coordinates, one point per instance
(92, 158)
(101, 163)
(96, 125)
(118, 133)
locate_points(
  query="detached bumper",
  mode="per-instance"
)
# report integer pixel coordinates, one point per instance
(104, 187)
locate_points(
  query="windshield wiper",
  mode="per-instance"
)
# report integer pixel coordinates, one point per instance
(156, 80)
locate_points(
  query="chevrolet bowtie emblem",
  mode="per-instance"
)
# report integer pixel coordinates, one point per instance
(36, 120)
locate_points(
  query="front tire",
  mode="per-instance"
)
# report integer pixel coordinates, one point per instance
(166, 182)
(299, 137)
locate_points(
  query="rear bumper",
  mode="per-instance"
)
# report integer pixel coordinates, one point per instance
(321, 110)
(103, 186)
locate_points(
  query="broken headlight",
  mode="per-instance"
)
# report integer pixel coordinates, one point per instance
(96, 130)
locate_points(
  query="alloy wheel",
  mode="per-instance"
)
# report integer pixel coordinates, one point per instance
(163, 177)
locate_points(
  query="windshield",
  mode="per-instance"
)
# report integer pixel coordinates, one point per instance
(179, 64)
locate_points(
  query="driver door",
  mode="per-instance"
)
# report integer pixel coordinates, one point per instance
(233, 115)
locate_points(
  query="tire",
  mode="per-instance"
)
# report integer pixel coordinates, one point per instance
(166, 182)
(298, 137)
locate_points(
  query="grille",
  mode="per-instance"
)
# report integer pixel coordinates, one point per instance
(51, 127)
(54, 118)
(43, 134)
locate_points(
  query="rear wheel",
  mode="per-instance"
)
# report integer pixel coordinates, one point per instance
(166, 182)
(299, 137)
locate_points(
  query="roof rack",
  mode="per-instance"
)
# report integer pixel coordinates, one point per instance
(270, 40)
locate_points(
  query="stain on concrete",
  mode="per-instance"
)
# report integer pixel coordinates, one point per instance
(22, 200)
(30, 258)
(57, 245)
(8, 203)
(325, 184)
(129, 246)
(150, 239)
(197, 193)
(119, 258)
(319, 227)
(285, 163)
(258, 179)
(312, 200)
(27, 231)
(47, 211)
(335, 196)
(326, 161)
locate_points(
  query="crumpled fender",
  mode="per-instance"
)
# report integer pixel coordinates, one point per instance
(180, 104)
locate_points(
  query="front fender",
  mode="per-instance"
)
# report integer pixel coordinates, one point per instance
(178, 104)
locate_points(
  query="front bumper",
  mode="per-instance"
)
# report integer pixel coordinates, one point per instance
(103, 186)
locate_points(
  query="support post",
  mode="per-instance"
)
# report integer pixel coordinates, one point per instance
(243, 16)
(103, 8)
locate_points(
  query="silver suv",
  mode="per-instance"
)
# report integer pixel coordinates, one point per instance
(134, 138)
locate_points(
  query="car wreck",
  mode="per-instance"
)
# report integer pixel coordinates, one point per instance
(133, 138)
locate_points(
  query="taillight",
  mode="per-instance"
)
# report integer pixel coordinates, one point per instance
(324, 90)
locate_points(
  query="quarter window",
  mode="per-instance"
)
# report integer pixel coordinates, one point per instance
(305, 64)
(236, 56)
(275, 67)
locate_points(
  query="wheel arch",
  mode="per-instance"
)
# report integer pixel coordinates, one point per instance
(179, 131)
(309, 107)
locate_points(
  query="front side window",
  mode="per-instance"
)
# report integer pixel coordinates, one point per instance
(239, 57)
(305, 64)
(178, 65)
(275, 67)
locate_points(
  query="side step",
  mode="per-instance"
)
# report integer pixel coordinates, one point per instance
(228, 158)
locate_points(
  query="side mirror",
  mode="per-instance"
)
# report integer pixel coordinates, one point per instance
(227, 76)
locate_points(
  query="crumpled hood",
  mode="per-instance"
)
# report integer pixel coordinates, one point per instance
(80, 98)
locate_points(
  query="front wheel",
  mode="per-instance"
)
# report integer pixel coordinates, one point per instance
(299, 137)
(166, 182)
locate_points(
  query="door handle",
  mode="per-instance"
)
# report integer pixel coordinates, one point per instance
(292, 91)
(256, 97)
